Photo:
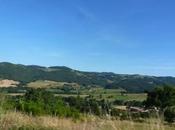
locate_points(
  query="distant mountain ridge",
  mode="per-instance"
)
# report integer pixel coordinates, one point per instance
(131, 83)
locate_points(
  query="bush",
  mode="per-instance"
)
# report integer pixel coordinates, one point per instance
(161, 97)
(164, 99)
(39, 102)
(170, 114)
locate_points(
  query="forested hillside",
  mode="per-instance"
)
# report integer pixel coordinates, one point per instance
(131, 83)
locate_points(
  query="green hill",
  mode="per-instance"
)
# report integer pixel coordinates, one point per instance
(132, 83)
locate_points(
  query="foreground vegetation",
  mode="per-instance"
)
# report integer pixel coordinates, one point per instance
(41, 109)
(17, 120)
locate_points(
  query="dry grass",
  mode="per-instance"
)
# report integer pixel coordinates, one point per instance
(8, 83)
(124, 108)
(18, 120)
(50, 84)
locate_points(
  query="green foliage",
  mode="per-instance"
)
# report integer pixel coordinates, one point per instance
(89, 105)
(40, 102)
(170, 114)
(161, 97)
(128, 103)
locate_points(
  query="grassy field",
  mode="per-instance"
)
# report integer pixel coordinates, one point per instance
(50, 84)
(65, 89)
(126, 97)
(16, 120)
(111, 95)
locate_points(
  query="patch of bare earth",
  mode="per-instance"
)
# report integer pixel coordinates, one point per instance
(8, 83)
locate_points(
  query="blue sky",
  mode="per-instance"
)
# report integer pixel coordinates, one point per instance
(121, 36)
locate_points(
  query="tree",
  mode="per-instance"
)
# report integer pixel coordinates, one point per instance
(170, 114)
(164, 99)
(161, 97)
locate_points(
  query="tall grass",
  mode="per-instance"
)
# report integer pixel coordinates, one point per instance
(17, 120)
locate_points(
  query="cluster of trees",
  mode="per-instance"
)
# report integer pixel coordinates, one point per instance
(39, 102)
(164, 99)
(89, 105)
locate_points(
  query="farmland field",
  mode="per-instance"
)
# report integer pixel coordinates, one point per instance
(107, 94)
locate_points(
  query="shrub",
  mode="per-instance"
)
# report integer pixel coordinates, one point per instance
(161, 97)
(39, 102)
(170, 114)
(164, 99)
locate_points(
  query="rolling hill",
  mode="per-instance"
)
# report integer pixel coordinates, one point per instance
(31, 73)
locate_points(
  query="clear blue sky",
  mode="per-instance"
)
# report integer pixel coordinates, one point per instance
(121, 36)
